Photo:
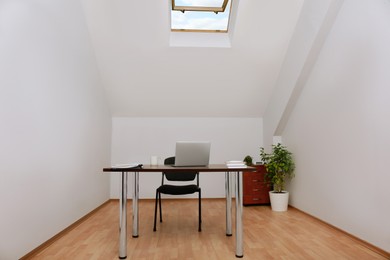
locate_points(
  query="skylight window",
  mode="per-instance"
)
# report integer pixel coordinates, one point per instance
(200, 15)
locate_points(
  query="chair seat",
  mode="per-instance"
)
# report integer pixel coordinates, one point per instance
(170, 189)
(178, 190)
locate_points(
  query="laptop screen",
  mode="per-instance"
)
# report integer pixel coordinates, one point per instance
(192, 153)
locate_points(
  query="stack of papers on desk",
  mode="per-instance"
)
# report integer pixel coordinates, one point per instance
(235, 164)
(127, 165)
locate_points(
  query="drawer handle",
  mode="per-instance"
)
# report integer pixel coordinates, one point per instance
(255, 180)
(256, 199)
(255, 189)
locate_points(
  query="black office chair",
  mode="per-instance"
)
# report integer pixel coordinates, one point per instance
(177, 189)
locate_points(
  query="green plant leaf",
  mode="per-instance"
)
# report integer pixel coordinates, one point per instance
(279, 165)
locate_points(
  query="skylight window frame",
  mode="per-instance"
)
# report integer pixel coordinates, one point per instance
(214, 9)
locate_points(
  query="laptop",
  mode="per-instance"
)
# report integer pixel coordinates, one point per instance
(192, 153)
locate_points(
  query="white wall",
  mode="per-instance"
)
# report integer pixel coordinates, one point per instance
(314, 23)
(339, 130)
(55, 126)
(136, 139)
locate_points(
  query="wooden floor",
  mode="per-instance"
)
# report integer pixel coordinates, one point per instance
(267, 235)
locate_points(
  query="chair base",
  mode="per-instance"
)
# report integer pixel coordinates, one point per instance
(158, 200)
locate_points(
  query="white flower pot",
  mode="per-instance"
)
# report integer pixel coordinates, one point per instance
(279, 201)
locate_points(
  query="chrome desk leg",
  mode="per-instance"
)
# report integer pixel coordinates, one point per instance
(123, 218)
(228, 194)
(135, 204)
(239, 211)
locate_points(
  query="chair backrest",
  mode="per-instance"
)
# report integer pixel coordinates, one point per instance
(179, 176)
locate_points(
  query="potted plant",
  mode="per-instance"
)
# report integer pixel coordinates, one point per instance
(280, 167)
(248, 160)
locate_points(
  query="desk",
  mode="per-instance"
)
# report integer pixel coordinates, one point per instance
(161, 168)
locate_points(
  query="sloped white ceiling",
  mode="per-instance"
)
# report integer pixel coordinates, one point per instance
(145, 77)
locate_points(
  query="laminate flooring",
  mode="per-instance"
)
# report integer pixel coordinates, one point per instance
(267, 235)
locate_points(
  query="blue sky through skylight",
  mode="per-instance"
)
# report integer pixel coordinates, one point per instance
(195, 20)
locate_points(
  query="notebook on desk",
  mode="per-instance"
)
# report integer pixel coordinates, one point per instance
(192, 153)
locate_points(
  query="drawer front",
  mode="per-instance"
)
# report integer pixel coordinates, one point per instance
(259, 189)
(250, 200)
(255, 175)
(253, 184)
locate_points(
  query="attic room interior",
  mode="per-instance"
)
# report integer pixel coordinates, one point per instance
(92, 83)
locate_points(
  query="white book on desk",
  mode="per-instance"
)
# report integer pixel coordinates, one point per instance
(235, 164)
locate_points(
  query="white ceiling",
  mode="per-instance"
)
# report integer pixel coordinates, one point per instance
(145, 77)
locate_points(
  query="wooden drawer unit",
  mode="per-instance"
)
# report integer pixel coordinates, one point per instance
(255, 189)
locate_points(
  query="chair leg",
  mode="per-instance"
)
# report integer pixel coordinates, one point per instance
(155, 212)
(159, 201)
(200, 212)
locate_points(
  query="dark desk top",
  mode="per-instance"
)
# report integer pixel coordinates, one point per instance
(168, 168)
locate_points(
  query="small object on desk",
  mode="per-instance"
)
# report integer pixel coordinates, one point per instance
(154, 160)
(235, 164)
(128, 165)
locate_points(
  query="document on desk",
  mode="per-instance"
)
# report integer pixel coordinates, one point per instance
(235, 164)
(127, 165)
